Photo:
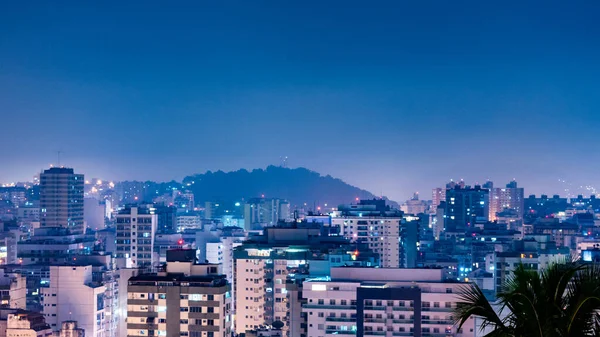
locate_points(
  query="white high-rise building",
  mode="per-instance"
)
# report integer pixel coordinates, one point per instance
(72, 295)
(383, 302)
(136, 228)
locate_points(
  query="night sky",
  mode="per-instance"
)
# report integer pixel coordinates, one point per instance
(392, 97)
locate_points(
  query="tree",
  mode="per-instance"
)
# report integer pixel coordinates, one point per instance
(563, 300)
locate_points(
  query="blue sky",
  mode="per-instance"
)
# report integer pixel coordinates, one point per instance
(394, 97)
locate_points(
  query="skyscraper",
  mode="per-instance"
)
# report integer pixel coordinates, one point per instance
(61, 199)
(465, 206)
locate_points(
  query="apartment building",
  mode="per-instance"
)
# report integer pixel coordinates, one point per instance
(387, 232)
(264, 265)
(72, 294)
(383, 302)
(136, 228)
(188, 299)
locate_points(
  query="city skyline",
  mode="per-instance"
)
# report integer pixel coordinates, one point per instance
(393, 98)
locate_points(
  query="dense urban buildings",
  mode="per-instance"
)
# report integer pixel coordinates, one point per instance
(182, 266)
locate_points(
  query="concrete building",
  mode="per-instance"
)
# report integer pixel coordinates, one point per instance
(510, 197)
(465, 207)
(383, 302)
(186, 222)
(260, 212)
(73, 295)
(136, 228)
(8, 248)
(187, 300)
(13, 290)
(414, 206)
(437, 196)
(93, 213)
(387, 232)
(61, 199)
(27, 324)
(266, 264)
(70, 329)
(53, 246)
(503, 264)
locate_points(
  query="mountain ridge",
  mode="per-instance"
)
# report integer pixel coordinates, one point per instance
(297, 185)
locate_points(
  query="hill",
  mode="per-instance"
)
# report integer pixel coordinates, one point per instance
(298, 185)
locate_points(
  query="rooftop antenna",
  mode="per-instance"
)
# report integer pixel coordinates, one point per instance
(58, 157)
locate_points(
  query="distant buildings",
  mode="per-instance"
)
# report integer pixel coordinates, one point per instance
(260, 212)
(414, 206)
(61, 199)
(510, 197)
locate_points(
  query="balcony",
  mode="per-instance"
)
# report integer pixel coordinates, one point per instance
(374, 307)
(340, 319)
(445, 322)
(438, 309)
(340, 332)
(323, 306)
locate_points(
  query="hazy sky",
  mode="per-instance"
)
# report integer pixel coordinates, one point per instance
(389, 96)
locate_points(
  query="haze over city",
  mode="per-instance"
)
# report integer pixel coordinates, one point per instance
(390, 97)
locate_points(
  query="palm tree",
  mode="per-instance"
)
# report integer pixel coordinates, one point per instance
(563, 300)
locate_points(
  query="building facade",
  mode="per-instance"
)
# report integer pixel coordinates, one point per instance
(465, 207)
(136, 229)
(187, 300)
(385, 302)
(61, 199)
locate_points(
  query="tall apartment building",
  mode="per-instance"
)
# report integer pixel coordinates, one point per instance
(61, 199)
(383, 302)
(136, 228)
(72, 294)
(187, 300)
(387, 232)
(264, 265)
(465, 207)
(510, 197)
